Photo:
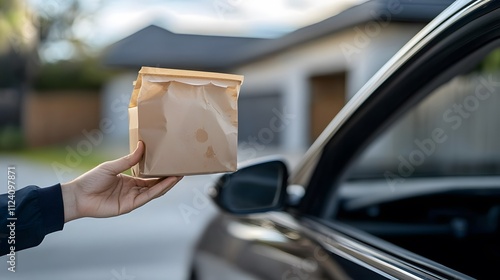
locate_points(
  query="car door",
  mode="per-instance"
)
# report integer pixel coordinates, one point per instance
(319, 239)
(416, 163)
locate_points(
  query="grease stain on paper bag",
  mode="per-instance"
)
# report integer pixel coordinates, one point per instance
(201, 135)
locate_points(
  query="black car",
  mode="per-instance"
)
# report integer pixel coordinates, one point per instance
(404, 183)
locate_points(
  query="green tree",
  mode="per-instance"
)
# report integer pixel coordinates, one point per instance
(17, 30)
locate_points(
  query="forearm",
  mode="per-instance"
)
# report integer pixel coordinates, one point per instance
(38, 212)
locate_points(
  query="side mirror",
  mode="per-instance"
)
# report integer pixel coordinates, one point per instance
(253, 189)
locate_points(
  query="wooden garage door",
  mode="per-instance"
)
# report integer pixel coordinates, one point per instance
(328, 96)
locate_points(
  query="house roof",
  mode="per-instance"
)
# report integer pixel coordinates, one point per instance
(155, 46)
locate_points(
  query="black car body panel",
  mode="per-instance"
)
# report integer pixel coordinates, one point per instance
(300, 242)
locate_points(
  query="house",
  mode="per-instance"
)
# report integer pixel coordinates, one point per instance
(294, 84)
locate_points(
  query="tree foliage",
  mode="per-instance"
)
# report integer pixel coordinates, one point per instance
(17, 30)
(87, 74)
(56, 21)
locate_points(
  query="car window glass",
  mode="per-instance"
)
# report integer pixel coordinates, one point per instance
(430, 182)
(454, 131)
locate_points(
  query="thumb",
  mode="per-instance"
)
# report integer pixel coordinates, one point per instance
(126, 162)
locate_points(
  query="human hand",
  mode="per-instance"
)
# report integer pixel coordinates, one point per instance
(105, 192)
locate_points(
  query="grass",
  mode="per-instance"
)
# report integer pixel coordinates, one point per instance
(61, 155)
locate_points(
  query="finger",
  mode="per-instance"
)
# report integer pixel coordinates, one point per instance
(117, 166)
(178, 178)
(157, 190)
(141, 182)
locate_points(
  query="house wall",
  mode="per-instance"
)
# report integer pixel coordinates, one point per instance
(115, 100)
(356, 51)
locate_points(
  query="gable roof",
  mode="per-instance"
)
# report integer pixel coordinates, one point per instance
(155, 46)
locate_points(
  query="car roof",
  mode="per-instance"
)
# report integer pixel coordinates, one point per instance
(457, 10)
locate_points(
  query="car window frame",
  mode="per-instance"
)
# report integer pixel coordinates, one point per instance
(461, 67)
(448, 49)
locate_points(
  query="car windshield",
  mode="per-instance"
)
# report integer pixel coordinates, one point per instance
(454, 131)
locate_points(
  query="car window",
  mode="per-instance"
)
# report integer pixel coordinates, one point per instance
(430, 182)
(455, 131)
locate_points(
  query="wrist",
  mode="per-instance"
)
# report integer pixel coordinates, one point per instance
(69, 202)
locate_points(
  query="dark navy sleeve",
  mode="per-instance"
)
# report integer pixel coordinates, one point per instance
(38, 212)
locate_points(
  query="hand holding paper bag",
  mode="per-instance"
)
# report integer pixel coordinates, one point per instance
(188, 121)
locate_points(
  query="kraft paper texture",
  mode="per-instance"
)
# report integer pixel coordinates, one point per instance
(188, 121)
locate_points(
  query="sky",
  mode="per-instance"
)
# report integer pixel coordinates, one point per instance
(108, 21)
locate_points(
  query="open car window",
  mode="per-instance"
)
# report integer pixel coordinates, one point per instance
(430, 182)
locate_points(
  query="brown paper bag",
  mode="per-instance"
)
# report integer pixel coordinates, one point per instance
(188, 121)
